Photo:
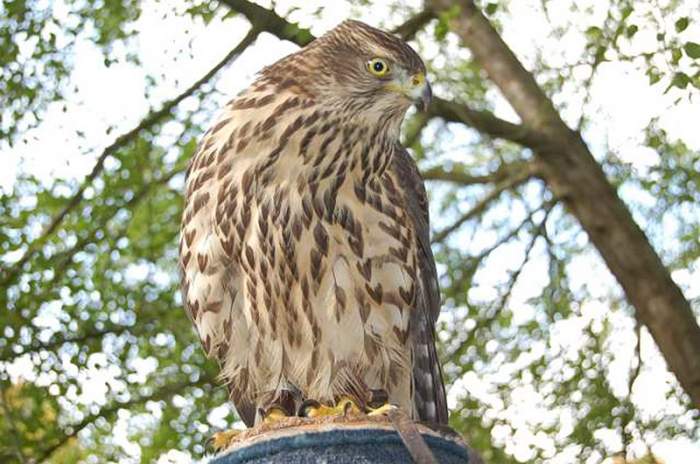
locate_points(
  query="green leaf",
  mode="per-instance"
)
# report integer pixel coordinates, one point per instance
(692, 49)
(491, 8)
(441, 29)
(654, 76)
(680, 80)
(676, 55)
(696, 82)
(443, 25)
(626, 11)
(682, 24)
(594, 32)
(631, 30)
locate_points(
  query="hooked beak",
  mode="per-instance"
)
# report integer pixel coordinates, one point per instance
(420, 92)
(415, 87)
(426, 96)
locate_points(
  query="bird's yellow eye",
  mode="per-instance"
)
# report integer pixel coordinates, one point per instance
(378, 67)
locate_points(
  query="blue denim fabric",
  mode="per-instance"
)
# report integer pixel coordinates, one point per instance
(361, 446)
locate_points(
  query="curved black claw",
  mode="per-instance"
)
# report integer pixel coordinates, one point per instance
(307, 408)
(377, 398)
(378, 404)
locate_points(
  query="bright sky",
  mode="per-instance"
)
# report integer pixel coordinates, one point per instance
(621, 98)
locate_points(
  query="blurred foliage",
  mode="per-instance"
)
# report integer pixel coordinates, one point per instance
(99, 363)
(37, 41)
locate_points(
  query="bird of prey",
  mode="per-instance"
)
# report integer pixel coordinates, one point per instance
(305, 257)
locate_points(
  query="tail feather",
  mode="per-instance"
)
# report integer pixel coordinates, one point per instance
(429, 390)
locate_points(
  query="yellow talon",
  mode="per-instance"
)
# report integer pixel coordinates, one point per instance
(346, 406)
(274, 414)
(222, 440)
(381, 410)
(343, 406)
(319, 411)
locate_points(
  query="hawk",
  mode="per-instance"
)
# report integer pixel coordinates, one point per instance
(305, 256)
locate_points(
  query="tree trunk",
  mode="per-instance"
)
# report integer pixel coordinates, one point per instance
(573, 175)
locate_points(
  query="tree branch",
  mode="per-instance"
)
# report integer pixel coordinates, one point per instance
(17, 442)
(482, 205)
(486, 123)
(408, 30)
(546, 207)
(504, 172)
(265, 20)
(8, 355)
(162, 393)
(628, 414)
(269, 21)
(494, 310)
(412, 131)
(59, 262)
(539, 232)
(574, 175)
(150, 120)
(141, 326)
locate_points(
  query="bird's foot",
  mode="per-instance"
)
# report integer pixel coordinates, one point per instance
(382, 410)
(379, 403)
(312, 408)
(221, 440)
(343, 407)
(281, 406)
(274, 413)
(347, 405)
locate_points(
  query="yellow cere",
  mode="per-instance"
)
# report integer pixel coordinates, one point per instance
(378, 67)
(417, 79)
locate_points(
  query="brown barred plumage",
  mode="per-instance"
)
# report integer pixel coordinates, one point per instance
(305, 255)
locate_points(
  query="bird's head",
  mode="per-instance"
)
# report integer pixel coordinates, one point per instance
(364, 72)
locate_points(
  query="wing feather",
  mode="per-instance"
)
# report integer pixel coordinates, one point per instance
(211, 280)
(430, 398)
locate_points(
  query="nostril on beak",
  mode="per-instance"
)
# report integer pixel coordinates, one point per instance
(417, 79)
